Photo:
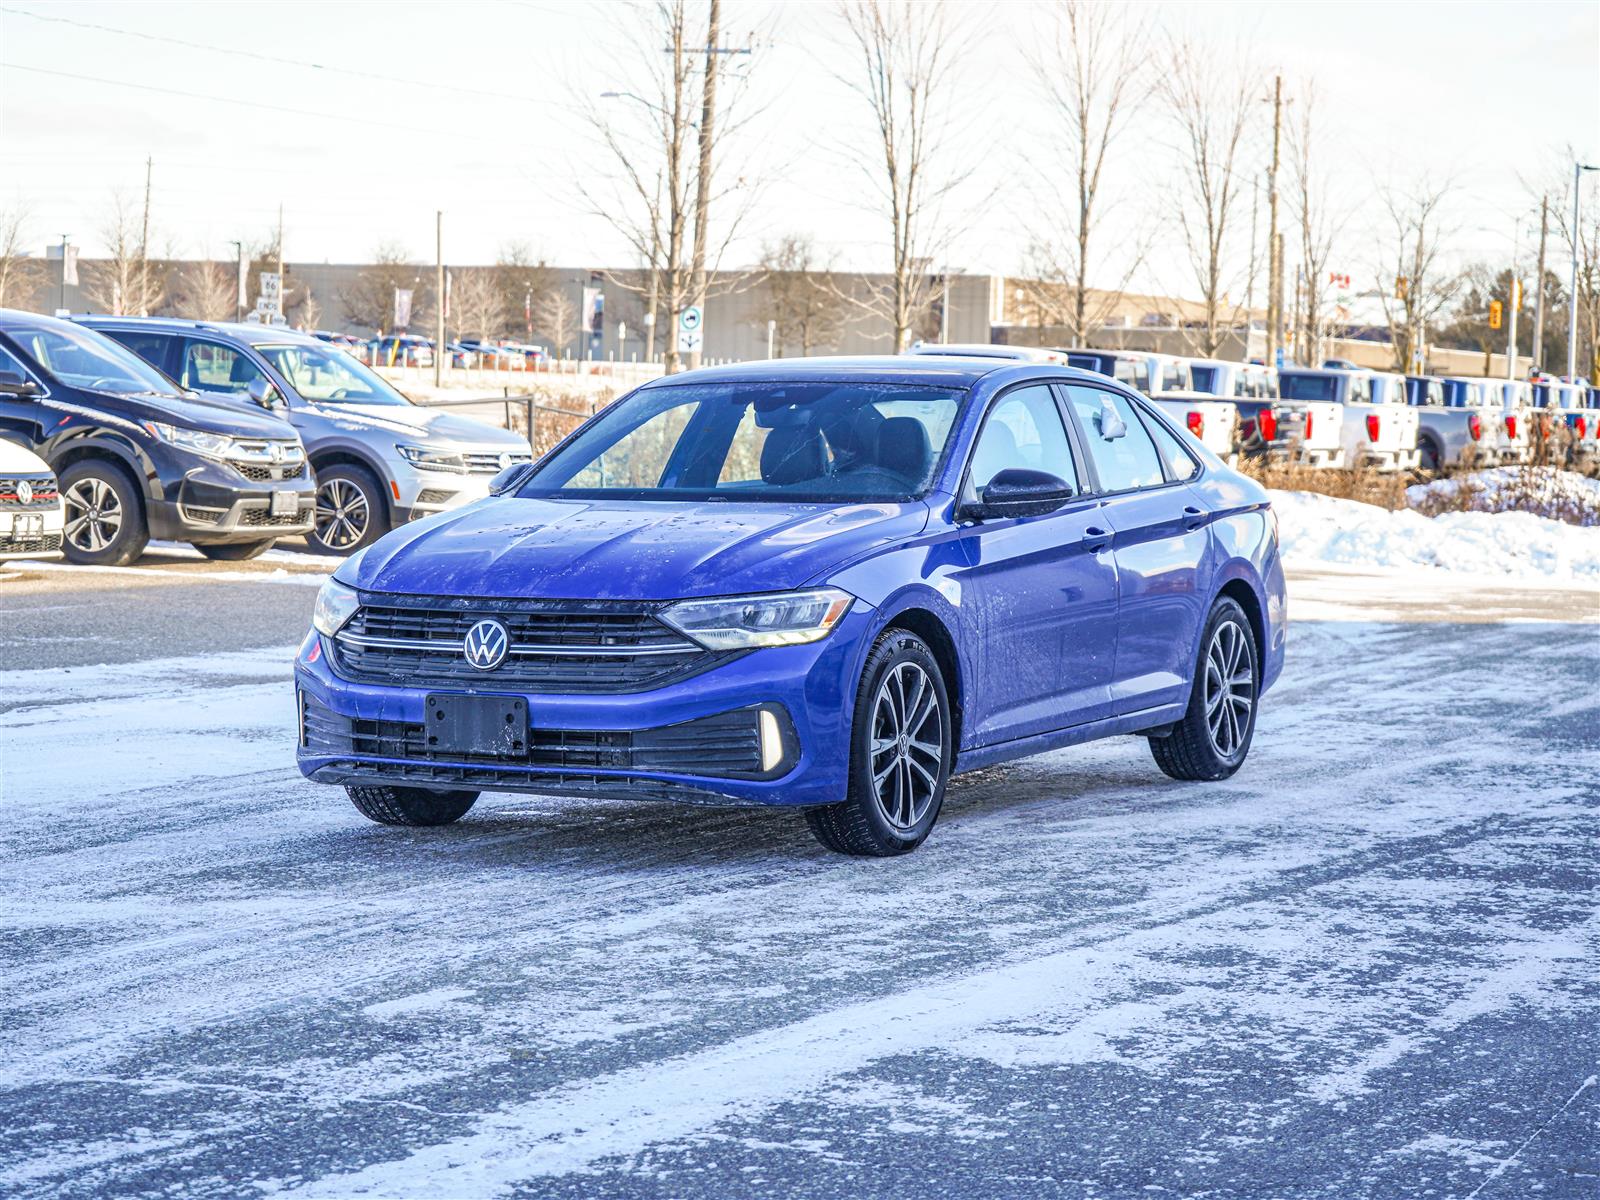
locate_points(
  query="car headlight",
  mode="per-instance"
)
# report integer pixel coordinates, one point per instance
(336, 604)
(740, 622)
(431, 458)
(211, 445)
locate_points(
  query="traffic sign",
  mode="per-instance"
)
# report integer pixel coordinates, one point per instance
(690, 334)
(689, 318)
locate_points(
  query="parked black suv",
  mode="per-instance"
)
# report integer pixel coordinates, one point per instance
(139, 457)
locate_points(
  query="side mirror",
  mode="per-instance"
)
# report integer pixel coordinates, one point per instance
(1019, 492)
(510, 479)
(1112, 426)
(12, 384)
(264, 394)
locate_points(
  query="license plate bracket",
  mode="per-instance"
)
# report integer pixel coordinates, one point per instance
(27, 526)
(285, 502)
(493, 726)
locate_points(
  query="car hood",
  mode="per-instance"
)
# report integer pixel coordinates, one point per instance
(204, 413)
(414, 423)
(614, 550)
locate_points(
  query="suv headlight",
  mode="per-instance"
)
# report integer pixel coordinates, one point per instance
(740, 622)
(432, 458)
(211, 445)
(336, 604)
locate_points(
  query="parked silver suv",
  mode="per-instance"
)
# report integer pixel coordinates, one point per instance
(379, 459)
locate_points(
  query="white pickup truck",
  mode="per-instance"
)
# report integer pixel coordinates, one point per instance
(1211, 421)
(1376, 427)
(1511, 401)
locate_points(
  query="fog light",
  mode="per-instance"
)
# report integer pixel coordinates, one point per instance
(771, 740)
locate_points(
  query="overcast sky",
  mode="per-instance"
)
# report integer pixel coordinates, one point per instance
(469, 108)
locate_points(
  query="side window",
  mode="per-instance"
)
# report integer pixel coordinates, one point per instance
(152, 347)
(1023, 429)
(1122, 371)
(1179, 462)
(8, 362)
(209, 367)
(1174, 378)
(1360, 391)
(1124, 456)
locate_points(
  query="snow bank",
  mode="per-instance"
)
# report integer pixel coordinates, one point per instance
(1321, 529)
(1547, 491)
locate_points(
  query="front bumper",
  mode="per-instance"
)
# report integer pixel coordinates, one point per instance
(418, 492)
(207, 501)
(809, 689)
(30, 532)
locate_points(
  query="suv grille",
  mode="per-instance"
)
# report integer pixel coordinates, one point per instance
(555, 646)
(262, 516)
(262, 474)
(48, 543)
(727, 745)
(44, 490)
(490, 464)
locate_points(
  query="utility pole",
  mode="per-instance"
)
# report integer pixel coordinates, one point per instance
(1572, 292)
(1538, 289)
(283, 290)
(438, 296)
(1274, 246)
(64, 248)
(1515, 302)
(702, 186)
(239, 281)
(144, 245)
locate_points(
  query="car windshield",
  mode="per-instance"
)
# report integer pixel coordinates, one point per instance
(83, 358)
(1308, 387)
(330, 376)
(817, 442)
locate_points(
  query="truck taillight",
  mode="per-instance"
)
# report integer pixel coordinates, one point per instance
(1511, 428)
(1306, 432)
(1374, 426)
(1197, 424)
(1583, 428)
(1269, 424)
(1474, 426)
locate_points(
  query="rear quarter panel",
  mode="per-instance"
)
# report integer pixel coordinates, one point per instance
(1244, 547)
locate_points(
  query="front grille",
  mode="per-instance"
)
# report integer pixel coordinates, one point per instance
(264, 474)
(565, 646)
(727, 745)
(262, 516)
(48, 544)
(433, 496)
(490, 463)
(45, 494)
(203, 516)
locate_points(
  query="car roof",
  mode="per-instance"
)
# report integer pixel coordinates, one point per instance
(933, 370)
(242, 331)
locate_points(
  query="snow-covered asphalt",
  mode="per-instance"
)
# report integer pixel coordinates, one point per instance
(1365, 967)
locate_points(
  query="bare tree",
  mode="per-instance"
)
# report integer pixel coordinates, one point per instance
(1209, 100)
(903, 49)
(206, 291)
(798, 295)
(477, 304)
(665, 145)
(125, 282)
(1091, 67)
(20, 275)
(369, 299)
(522, 279)
(1423, 288)
(1320, 225)
(556, 316)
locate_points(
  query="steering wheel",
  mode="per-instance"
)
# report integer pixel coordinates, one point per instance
(106, 383)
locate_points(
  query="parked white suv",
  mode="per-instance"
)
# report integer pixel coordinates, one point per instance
(30, 505)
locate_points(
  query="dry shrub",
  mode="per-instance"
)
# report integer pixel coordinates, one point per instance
(1387, 490)
(556, 413)
(1530, 489)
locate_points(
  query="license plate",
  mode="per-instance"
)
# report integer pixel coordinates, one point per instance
(27, 526)
(285, 503)
(496, 726)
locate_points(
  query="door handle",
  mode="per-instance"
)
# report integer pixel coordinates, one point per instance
(1193, 518)
(1095, 538)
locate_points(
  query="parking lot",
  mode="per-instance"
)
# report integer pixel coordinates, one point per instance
(1364, 966)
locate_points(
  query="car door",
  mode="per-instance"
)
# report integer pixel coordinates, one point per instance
(1160, 544)
(20, 419)
(1042, 590)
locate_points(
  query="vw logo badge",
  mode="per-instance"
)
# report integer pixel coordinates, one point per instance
(275, 451)
(505, 461)
(486, 645)
(24, 492)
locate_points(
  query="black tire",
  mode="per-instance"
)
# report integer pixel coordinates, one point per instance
(863, 822)
(1428, 456)
(338, 530)
(409, 806)
(105, 518)
(235, 551)
(1192, 749)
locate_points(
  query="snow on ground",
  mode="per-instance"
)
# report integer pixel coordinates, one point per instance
(1552, 490)
(1364, 966)
(1319, 529)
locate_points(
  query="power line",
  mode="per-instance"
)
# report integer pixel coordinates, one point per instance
(276, 60)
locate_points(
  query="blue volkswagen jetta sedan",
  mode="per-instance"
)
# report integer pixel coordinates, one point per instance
(825, 583)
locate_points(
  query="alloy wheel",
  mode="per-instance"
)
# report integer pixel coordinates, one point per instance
(94, 514)
(1229, 688)
(907, 751)
(342, 514)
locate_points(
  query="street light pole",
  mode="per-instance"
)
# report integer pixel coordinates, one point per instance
(64, 248)
(1572, 291)
(1514, 299)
